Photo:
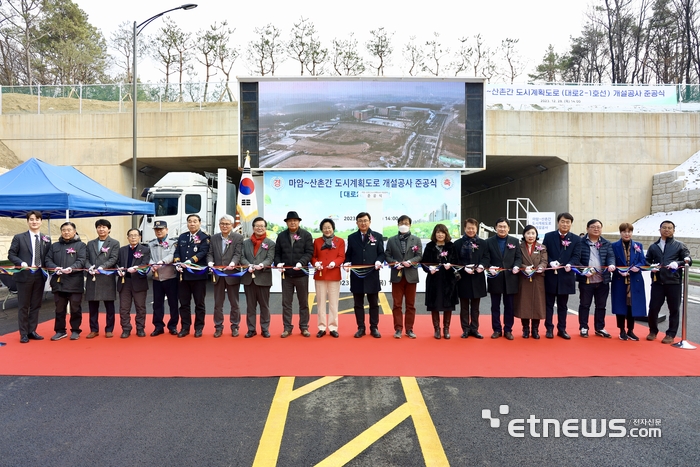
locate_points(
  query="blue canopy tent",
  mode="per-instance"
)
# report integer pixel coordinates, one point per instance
(61, 192)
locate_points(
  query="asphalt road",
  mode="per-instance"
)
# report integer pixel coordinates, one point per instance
(222, 421)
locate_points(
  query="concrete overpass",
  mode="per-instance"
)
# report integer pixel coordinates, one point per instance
(591, 164)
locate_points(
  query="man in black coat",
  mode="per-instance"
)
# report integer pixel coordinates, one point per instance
(667, 255)
(28, 250)
(564, 251)
(192, 248)
(474, 256)
(294, 248)
(504, 252)
(132, 285)
(365, 248)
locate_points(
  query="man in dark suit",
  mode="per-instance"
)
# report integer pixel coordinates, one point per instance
(192, 247)
(294, 247)
(28, 250)
(564, 251)
(133, 286)
(504, 252)
(225, 250)
(365, 248)
(474, 256)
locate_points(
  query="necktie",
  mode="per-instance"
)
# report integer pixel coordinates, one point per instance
(363, 238)
(37, 251)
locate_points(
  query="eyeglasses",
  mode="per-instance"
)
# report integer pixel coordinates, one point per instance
(363, 221)
(258, 226)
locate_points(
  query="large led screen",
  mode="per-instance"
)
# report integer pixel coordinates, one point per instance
(407, 124)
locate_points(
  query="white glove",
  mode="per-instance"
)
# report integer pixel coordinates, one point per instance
(121, 273)
(687, 259)
(24, 265)
(131, 270)
(160, 262)
(297, 266)
(399, 266)
(528, 269)
(179, 268)
(480, 269)
(279, 265)
(447, 265)
(540, 269)
(654, 268)
(318, 265)
(58, 271)
(634, 269)
(516, 269)
(567, 268)
(230, 266)
(469, 270)
(92, 270)
(432, 269)
(250, 268)
(331, 265)
(67, 270)
(492, 270)
(624, 274)
(259, 267)
(210, 264)
(347, 266)
(407, 264)
(611, 268)
(554, 264)
(100, 268)
(377, 265)
(588, 274)
(673, 265)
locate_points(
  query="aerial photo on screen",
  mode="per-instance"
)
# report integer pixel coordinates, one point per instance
(362, 124)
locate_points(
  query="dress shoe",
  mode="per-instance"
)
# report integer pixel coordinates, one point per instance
(603, 333)
(250, 334)
(140, 333)
(476, 334)
(375, 333)
(109, 334)
(58, 336)
(24, 339)
(667, 340)
(496, 335)
(549, 335)
(92, 335)
(234, 332)
(74, 336)
(265, 334)
(305, 333)
(125, 334)
(34, 336)
(173, 332)
(526, 333)
(411, 334)
(623, 335)
(584, 332)
(360, 332)
(508, 335)
(183, 333)
(563, 335)
(320, 333)
(651, 336)
(632, 336)
(535, 334)
(286, 334)
(218, 333)
(465, 335)
(397, 334)
(197, 333)
(334, 334)
(157, 332)
(446, 333)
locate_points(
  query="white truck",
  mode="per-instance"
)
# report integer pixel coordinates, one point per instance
(179, 194)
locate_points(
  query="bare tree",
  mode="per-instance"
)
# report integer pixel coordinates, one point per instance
(121, 40)
(379, 46)
(346, 59)
(209, 43)
(513, 62)
(316, 58)
(24, 17)
(463, 56)
(265, 52)
(303, 45)
(434, 54)
(226, 56)
(413, 54)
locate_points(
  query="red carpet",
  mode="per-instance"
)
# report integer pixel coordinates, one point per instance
(168, 356)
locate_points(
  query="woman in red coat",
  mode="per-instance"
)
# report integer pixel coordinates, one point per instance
(329, 255)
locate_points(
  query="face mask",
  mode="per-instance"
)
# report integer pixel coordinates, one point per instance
(404, 229)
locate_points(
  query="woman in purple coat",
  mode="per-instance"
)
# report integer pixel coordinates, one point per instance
(628, 297)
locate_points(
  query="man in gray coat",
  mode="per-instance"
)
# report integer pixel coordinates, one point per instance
(164, 279)
(225, 250)
(257, 256)
(101, 254)
(403, 252)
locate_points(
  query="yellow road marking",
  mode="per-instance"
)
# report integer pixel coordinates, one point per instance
(384, 304)
(271, 439)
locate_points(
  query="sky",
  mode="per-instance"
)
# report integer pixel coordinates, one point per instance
(536, 23)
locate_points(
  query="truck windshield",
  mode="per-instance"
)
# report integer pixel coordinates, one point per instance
(165, 206)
